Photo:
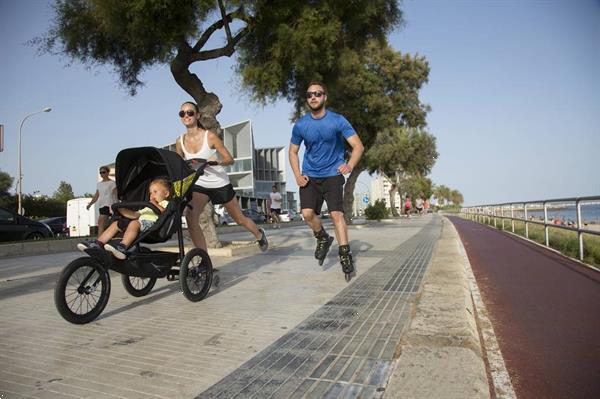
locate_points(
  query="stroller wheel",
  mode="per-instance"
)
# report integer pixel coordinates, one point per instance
(195, 274)
(82, 290)
(138, 286)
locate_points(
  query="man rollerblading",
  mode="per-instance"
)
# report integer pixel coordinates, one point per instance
(325, 135)
(346, 261)
(324, 241)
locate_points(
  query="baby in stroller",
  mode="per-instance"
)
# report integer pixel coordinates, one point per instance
(132, 222)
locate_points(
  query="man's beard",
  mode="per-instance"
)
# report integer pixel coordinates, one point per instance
(318, 108)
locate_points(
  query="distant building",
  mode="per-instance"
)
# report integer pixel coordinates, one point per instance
(380, 189)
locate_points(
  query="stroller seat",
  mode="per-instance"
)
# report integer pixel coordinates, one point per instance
(163, 229)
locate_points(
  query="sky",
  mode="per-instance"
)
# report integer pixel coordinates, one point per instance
(514, 89)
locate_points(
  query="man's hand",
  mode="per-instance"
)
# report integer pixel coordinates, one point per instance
(344, 169)
(302, 180)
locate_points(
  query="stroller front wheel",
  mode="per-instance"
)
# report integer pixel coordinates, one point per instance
(195, 274)
(82, 290)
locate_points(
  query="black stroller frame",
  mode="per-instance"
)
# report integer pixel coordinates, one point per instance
(83, 287)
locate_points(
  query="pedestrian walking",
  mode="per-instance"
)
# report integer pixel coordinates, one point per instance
(407, 206)
(324, 134)
(105, 196)
(275, 205)
(419, 204)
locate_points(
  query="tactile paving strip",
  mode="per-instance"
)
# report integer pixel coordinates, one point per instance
(344, 349)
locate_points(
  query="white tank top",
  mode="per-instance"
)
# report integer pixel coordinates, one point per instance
(214, 176)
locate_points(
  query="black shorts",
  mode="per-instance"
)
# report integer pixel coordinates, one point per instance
(276, 211)
(328, 189)
(105, 210)
(220, 195)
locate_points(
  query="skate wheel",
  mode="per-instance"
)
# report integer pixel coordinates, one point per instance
(321, 262)
(348, 277)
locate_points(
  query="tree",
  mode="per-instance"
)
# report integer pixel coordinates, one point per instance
(417, 186)
(456, 197)
(6, 182)
(63, 193)
(374, 86)
(405, 156)
(380, 92)
(282, 45)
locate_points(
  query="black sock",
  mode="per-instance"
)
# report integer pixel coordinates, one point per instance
(321, 234)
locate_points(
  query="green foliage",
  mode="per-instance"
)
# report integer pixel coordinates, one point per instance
(130, 35)
(417, 186)
(404, 151)
(448, 208)
(42, 207)
(293, 42)
(6, 182)
(63, 193)
(445, 195)
(377, 211)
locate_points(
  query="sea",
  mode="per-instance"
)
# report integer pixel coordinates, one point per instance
(590, 213)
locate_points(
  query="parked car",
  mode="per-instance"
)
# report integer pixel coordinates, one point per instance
(257, 216)
(14, 227)
(226, 220)
(289, 216)
(58, 225)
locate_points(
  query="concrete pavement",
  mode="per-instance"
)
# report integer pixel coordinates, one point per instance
(277, 325)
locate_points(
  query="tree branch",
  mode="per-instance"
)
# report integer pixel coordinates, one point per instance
(239, 14)
(220, 52)
(224, 19)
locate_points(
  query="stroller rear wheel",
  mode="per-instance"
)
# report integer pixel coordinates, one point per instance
(82, 291)
(195, 274)
(138, 286)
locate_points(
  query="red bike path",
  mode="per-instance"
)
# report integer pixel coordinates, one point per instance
(545, 310)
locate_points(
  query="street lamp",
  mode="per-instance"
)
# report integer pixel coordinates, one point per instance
(20, 181)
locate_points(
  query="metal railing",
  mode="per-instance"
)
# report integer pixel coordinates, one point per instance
(524, 212)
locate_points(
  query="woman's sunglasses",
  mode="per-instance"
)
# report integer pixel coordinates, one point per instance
(317, 94)
(189, 112)
(103, 172)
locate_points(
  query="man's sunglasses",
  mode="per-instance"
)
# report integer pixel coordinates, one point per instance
(103, 172)
(189, 112)
(317, 94)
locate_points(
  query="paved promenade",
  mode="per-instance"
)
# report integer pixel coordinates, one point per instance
(276, 325)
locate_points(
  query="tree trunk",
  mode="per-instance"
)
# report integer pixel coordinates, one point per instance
(392, 193)
(210, 106)
(349, 194)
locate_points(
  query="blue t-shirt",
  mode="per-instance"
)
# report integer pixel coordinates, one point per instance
(324, 142)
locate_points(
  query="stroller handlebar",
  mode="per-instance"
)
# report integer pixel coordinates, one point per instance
(198, 164)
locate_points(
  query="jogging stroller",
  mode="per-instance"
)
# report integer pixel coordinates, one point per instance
(83, 287)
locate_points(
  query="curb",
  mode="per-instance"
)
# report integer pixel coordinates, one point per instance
(31, 248)
(440, 354)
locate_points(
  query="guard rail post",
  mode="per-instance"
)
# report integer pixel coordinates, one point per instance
(546, 228)
(526, 221)
(579, 227)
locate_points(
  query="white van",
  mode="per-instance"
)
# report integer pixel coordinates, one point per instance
(80, 220)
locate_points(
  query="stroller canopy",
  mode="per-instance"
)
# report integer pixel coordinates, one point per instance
(135, 168)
